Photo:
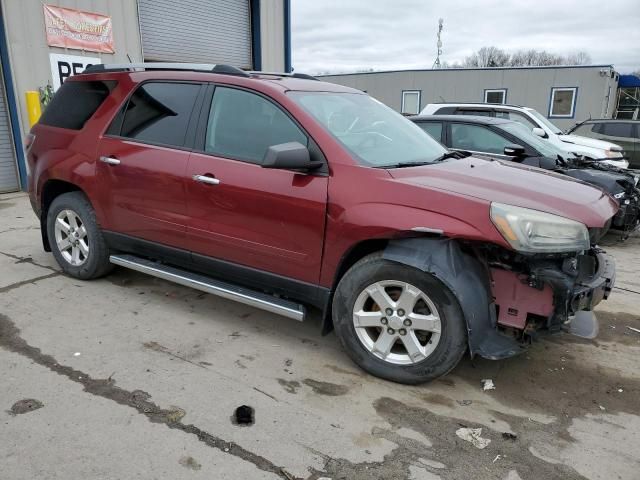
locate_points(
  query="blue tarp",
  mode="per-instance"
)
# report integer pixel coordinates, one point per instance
(628, 81)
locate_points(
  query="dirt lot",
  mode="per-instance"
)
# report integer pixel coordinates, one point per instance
(132, 377)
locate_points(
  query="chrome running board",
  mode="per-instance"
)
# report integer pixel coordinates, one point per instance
(255, 299)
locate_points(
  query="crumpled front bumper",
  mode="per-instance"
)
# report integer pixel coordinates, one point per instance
(553, 292)
(589, 292)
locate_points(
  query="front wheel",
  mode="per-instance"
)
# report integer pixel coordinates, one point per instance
(397, 322)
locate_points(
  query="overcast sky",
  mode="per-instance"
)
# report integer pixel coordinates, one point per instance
(350, 35)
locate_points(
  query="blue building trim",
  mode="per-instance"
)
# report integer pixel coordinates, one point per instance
(287, 36)
(256, 42)
(12, 106)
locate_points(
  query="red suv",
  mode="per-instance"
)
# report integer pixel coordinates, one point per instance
(281, 191)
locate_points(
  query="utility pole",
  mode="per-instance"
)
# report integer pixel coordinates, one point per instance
(436, 64)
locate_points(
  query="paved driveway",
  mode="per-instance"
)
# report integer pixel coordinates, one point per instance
(133, 377)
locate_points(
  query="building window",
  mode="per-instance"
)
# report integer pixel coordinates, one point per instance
(563, 102)
(411, 102)
(498, 96)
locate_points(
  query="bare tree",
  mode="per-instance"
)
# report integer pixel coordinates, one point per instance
(495, 57)
(487, 57)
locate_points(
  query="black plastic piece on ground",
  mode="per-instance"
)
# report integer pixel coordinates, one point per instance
(244, 415)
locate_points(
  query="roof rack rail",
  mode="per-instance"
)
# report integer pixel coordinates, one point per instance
(193, 67)
(303, 76)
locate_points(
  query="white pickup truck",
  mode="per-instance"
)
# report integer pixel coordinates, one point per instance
(583, 146)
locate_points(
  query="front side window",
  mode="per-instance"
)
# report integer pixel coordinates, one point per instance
(517, 117)
(373, 133)
(563, 102)
(618, 129)
(411, 102)
(243, 125)
(159, 113)
(477, 138)
(497, 96)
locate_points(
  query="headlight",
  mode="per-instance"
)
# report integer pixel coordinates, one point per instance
(533, 231)
(613, 154)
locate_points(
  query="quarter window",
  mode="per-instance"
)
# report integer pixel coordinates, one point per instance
(159, 113)
(434, 129)
(75, 102)
(476, 138)
(411, 102)
(498, 96)
(563, 102)
(243, 125)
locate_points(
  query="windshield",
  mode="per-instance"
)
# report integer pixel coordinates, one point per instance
(544, 121)
(546, 149)
(375, 135)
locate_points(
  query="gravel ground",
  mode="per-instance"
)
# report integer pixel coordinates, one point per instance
(133, 377)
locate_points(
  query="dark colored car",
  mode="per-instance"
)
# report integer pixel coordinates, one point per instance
(625, 133)
(504, 139)
(283, 192)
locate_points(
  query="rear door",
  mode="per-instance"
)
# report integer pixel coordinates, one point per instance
(143, 163)
(257, 219)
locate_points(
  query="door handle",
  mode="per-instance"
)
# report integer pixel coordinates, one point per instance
(206, 179)
(110, 160)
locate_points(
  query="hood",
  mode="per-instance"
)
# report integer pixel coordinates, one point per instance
(513, 184)
(611, 182)
(588, 142)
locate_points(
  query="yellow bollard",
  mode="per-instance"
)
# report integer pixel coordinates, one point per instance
(33, 107)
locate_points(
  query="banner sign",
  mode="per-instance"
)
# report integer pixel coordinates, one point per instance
(64, 66)
(70, 28)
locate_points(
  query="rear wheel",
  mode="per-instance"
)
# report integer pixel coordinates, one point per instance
(75, 238)
(398, 322)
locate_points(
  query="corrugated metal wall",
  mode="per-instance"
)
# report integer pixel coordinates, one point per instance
(530, 87)
(8, 169)
(196, 31)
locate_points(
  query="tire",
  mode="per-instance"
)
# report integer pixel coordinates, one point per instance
(422, 361)
(92, 257)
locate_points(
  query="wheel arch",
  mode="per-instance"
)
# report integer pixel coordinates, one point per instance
(52, 189)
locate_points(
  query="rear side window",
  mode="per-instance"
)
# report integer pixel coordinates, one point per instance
(159, 113)
(243, 125)
(75, 102)
(434, 129)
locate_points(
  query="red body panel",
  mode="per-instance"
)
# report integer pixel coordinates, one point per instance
(516, 299)
(297, 225)
(144, 196)
(268, 219)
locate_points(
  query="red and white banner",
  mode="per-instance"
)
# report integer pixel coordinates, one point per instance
(70, 28)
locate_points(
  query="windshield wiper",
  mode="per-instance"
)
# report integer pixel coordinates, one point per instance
(451, 154)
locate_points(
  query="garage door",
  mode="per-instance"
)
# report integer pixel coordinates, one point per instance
(205, 31)
(8, 170)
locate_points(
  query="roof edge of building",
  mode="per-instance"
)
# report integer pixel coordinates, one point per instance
(420, 70)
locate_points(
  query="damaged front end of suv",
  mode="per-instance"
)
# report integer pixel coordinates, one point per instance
(549, 281)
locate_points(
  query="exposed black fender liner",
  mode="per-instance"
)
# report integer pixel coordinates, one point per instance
(468, 279)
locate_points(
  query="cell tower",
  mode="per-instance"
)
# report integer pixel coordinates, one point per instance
(436, 64)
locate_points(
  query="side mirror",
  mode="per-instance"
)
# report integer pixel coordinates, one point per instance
(289, 156)
(514, 150)
(539, 132)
